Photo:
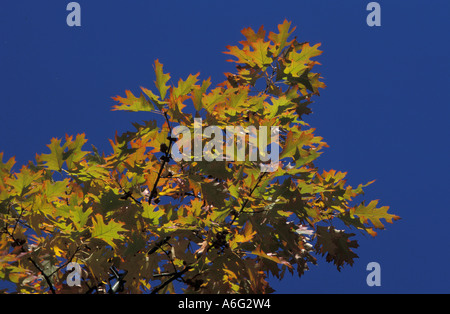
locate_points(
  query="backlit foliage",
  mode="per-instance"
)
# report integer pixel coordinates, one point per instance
(192, 226)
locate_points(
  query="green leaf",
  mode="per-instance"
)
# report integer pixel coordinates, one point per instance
(260, 55)
(185, 87)
(74, 152)
(110, 201)
(55, 190)
(281, 38)
(132, 103)
(85, 171)
(299, 62)
(197, 94)
(152, 214)
(154, 98)
(79, 217)
(373, 214)
(336, 245)
(295, 141)
(279, 105)
(54, 160)
(161, 79)
(106, 232)
(6, 167)
(22, 181)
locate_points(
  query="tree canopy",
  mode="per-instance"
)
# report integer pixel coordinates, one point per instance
(144, 220)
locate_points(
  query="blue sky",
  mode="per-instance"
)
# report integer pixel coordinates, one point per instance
(384, 112)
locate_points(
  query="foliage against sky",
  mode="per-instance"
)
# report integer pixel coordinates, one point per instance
(214, 226)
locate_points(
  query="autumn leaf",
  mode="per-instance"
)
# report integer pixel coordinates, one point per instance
(70, 152)
(54, 190)
(132, 103)
(280, 39)
(22, 180)
(221, 226)
(74, 151)
(6, 167)
(372, 214)
(80, 217)
(54, 160)
(152, 213)
(260, 54)
(270, 256)
(198, 92)
(106, 232)
(295, 141)
(161, 79)
(336, 245)
(184, 87)
(242, 55)
(251, 36)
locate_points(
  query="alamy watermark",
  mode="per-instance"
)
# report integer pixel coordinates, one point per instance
(374, 277)
(74, 17)
(228, 144)
(374, 17)
(74, 274)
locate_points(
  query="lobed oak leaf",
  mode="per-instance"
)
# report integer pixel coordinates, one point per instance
(241, 55)
(373, 214)
(261, 54)
(132, 103)
(271, 256)
(280, 39)
(106, 232)
(161, 79)
(296, 63)
(198, 92)
(22, 180)
(54, 160)
(79, 217)
(335, 244)
(295, 140)
(74, 153)
(6, 167)
(251, 36)
(185, 87)
(153, 213)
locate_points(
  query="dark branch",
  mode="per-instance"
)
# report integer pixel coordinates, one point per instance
(47, 278)
(66, 263)
(158, 245)
(164, 159)
(247, 199)
(175, 276)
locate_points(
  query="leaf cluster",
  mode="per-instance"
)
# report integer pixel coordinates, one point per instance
(219, 226)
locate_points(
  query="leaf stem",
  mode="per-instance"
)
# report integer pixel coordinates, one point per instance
(164, 159)
(175, 276)
(47, 278)
(247, 199)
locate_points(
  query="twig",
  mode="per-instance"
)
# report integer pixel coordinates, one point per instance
(18, 219)
(128, 194)
(67, 262)
(47, 278)
(255, 211)
(164, 159)
(157, 245)
(175, 276)
(247, 199)
(16, 241)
